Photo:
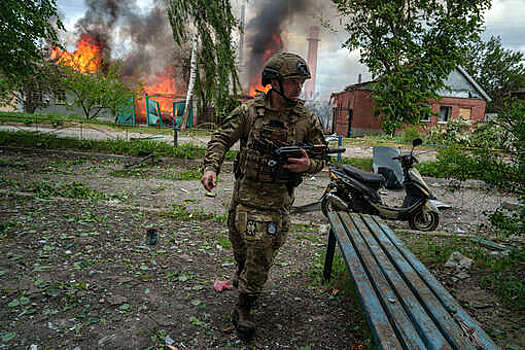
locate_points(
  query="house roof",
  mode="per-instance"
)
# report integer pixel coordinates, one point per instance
(473, 82)
(359, 86)
(461, 70)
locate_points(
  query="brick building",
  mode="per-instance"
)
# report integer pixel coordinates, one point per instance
(353, 108)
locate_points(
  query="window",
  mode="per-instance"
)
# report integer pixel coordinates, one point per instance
(465, 113)
(444, 113)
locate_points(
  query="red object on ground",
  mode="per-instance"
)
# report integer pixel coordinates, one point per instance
(222, 285)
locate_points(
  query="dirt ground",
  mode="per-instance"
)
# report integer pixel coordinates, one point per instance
(78, 274)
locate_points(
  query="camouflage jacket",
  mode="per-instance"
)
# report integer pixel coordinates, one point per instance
(260, 129)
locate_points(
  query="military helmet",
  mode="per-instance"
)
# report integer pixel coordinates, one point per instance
(284, 65)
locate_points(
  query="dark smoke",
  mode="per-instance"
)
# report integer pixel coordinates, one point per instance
(141, 38)
(99, 21)
(271, 20)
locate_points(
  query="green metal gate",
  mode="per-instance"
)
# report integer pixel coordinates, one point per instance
(153, 114)
(126, 115)
(178, 113)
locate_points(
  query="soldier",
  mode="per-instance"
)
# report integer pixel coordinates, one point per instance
(258, 216)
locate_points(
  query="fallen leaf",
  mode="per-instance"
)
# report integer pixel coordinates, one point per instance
(124, 307)
(222, 285)
(14, 303)
(228, 330)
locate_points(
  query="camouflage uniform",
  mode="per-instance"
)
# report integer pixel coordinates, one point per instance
(258, 217)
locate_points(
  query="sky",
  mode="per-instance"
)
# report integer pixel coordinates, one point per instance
(337, 67)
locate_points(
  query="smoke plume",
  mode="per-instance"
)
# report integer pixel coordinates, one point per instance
(140, 37)
(264, 31)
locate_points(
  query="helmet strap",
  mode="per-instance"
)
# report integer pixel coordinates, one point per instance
(281, 92)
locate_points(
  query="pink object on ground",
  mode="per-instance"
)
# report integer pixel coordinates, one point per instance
(222, 285)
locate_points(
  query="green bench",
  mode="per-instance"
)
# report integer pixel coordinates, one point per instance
(405, 306)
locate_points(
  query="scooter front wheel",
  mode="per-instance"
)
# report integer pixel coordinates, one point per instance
(424, 221)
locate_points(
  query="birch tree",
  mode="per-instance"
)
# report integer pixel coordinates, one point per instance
(191, 84)
(214, 24)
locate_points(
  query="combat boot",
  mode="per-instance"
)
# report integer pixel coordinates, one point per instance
(242, 318)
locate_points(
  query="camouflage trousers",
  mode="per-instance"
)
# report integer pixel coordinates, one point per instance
(256, 236)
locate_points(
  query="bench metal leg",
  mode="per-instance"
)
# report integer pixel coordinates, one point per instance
(329, 259)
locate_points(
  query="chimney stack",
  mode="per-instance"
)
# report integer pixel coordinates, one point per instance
(312, 61)
(359, 78)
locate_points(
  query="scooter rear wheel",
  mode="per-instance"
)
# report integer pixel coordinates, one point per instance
(328, 204)
(424, 221)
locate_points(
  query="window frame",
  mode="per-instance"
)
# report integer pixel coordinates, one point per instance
(449, 113)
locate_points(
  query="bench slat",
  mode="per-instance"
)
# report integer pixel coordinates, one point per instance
(432, 306)
(375, 314)
(401, 302)
(440, 292)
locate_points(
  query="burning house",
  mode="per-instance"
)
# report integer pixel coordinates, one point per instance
(142, 42)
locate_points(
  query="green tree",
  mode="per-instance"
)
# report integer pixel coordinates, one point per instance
(410, 47)
(499, 71)
(510, 115)
(92, 92)
(27, 27)
(213, 23)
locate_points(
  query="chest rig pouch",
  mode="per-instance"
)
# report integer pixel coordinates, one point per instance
(267, 133)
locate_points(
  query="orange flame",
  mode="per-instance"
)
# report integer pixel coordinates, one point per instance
(162, 89)
(255, 81)
(257, 89)
(86, 58)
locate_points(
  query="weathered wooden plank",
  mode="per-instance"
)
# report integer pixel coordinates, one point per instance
(376, 316)
(479, 336)
(432, 306)
(411, 320)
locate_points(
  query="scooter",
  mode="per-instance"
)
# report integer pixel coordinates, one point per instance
(352, 189)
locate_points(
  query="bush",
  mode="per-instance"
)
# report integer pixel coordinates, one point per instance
(455, 132)
(454, 163)
(409, 134)
(490, 135)
(506, 222)
(451, 163)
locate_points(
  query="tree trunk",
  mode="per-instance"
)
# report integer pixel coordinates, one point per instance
(191, 84)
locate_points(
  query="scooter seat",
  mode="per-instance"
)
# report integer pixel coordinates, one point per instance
(363, 176)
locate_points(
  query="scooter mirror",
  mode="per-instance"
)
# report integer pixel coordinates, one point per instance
(417, 142)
